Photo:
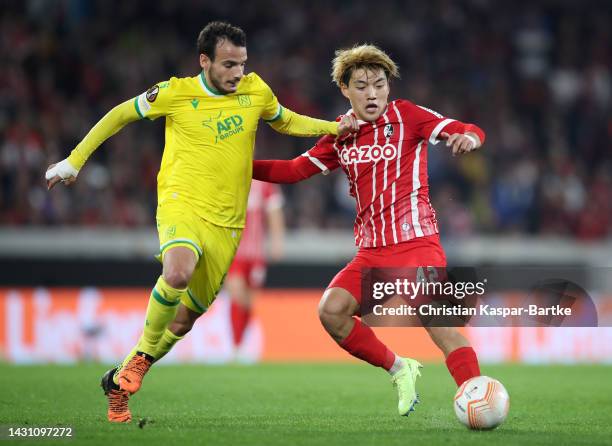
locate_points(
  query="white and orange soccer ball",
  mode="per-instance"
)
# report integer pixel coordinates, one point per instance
(482, 403)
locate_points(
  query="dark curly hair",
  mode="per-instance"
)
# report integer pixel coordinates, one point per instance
(215, 32)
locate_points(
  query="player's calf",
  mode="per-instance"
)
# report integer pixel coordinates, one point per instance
(336, 312)
(183, 321)
(461, 359)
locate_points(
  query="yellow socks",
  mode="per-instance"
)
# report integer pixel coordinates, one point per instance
(161, 310)
(166, 343)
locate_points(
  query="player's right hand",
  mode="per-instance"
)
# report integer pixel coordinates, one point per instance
(62, 171)
(348, 124)
(461, 143)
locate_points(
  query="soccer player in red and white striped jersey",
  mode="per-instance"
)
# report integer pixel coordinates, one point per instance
(248, 270)
(385, 161)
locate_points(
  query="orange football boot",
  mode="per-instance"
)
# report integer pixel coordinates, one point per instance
(131, 375)
(118, 410)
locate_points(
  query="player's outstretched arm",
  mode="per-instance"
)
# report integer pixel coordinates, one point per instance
(433, 127)
(291, 123)
(284, 171)
(462, 138)
(67, 170)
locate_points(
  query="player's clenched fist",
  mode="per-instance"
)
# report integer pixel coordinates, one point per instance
(348, 124)
(461, 142)
(62, 171)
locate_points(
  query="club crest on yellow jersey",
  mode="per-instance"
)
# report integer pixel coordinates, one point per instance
(244, 100)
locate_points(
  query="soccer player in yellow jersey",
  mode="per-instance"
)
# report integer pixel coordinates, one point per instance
(203, 185)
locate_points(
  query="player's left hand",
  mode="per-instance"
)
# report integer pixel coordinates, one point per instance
(348, 124)
(460, 143)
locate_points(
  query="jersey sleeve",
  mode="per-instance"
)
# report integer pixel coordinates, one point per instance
(156, 101)
(426, 123)
(111, 123)
(272, 110)
(323, 154)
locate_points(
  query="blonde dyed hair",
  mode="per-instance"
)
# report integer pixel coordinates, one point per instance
(367, 57)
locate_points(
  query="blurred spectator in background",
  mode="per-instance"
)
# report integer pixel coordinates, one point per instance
(537, 75)
(247, 274)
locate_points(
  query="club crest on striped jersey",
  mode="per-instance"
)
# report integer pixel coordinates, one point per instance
(388, 131)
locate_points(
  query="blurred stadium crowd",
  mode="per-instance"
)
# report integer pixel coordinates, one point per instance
(537, 76)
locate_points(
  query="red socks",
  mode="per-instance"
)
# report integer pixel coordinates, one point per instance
(362, 343)
(463, 364)
(240, 317)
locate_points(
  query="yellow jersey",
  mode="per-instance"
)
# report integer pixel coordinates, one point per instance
(210, 138)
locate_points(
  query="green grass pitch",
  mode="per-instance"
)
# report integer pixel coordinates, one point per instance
(307, 404)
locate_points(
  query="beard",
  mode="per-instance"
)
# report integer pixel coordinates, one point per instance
(217, 84)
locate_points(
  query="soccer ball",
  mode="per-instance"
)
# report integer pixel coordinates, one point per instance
(482, 403)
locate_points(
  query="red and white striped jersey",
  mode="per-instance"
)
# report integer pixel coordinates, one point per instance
(262, 198)
(386, 164)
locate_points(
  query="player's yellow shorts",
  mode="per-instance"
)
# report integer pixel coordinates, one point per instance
(214, 247)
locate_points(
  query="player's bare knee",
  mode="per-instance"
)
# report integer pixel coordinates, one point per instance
(177, 277)
(334, 311)
(179, 264)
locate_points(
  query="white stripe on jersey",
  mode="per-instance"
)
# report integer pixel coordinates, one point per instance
(374, 188)
(393, 230)
(382, 204)
(357, 192)
(317, 163)
(352, 186)
(143, 104)
(433, 138)
(393, 213)
(386, 142)
(416, 184)
(433, 112)
(397, 173)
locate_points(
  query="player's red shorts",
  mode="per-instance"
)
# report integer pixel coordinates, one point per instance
(421, 251)
(253, 271)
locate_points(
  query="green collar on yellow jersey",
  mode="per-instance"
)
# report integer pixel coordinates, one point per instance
(208, 89)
